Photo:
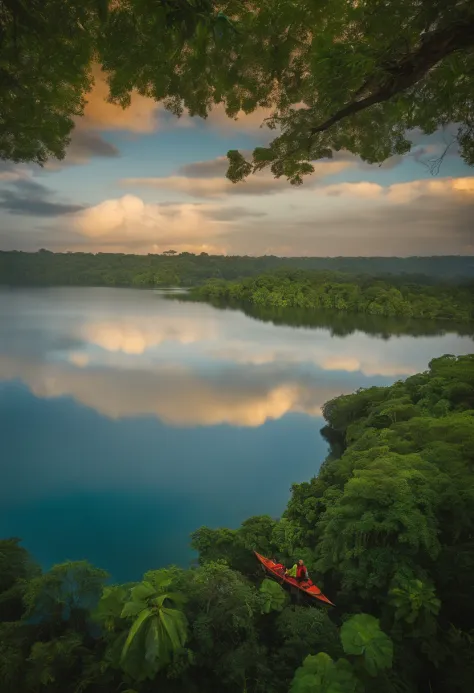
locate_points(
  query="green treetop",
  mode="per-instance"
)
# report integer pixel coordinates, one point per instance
(347, 75)
(352, 76)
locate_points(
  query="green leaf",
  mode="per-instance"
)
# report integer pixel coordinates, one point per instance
(111, 602)
(239, 168)
(158, 578)
(142, 591)
(143, 616)
(361, 635)
(174, 597)
(320, 674)
(413, 598)
(274, 596)
(152, 642)
(133, 608)
(174, 622)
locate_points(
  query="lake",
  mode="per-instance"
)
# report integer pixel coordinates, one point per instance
(127, 420)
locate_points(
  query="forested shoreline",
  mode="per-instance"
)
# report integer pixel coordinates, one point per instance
(367, 295)
(385, 528)
(45, 268)
(342, 323)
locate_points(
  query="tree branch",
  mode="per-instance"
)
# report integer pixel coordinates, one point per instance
(433, 47)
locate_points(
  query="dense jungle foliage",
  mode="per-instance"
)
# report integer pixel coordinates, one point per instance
(45, 268)
(317, 291)
(386, 529)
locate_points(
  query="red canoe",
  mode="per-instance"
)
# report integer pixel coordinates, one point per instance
(278, 572)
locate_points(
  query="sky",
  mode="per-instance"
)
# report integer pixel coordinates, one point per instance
(142, 181)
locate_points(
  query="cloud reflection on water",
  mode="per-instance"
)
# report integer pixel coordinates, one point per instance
(129, 353)
(123, 414)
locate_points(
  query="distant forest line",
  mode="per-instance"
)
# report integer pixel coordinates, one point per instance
(45, 268)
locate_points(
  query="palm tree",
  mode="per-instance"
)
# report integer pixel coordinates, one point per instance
(159, 629)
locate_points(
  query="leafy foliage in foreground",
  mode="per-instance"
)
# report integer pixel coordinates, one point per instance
(47, 48)
(350, 77)
(320, 674)
(385, 528)
(361, 635)
(274, 596)
(318, 292)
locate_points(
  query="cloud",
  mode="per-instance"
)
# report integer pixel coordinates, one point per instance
(128, 354)
(130, 222)
(201, 180)
(385, 231)
(85, 144)
(79, 359)
(27, 197)
(403, 193)
(176, 396)
(100, 114)
(9, 176)
(431, 216)
(420, 217)
(363, 189)
(461, 189)
(212, 168)
(234, 214)
(215, 336)
(362, 354)
(209, 187)
(11, 172)
(138, 335)
(246, 393)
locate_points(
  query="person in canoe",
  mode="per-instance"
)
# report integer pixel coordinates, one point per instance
(298, 571)
(301, 572)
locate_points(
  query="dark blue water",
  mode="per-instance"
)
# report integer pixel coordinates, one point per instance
(128, 420)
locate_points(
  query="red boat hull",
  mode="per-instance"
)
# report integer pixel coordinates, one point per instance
(307, 587)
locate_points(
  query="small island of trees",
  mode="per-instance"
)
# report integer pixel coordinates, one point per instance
(320, 291)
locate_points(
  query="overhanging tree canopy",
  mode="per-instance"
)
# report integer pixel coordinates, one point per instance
(342, 75)
(46, 49)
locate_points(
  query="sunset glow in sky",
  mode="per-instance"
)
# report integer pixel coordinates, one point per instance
(141, 181)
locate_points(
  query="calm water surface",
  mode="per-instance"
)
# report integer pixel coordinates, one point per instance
(128, 420)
